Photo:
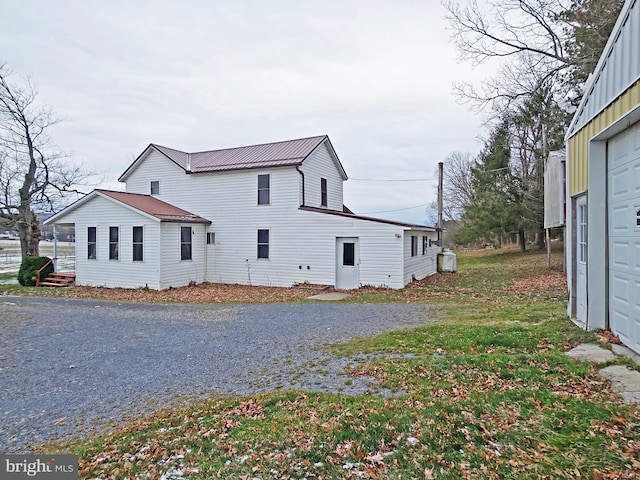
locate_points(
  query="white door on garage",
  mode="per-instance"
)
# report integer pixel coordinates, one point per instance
(581, 259)
(623, 187)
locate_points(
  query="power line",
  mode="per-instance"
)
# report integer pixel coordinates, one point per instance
(396, 210)
(393, 179)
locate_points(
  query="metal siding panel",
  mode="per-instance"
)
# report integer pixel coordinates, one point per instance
(554, 190)
(579, 142)
(617, 72)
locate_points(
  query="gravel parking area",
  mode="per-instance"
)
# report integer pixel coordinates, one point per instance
(72, 367)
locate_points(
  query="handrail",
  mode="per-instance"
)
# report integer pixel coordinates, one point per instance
(42, 268)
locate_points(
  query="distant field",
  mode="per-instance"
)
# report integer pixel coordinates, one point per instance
(10, 257)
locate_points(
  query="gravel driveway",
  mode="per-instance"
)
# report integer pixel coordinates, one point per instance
(70, 367)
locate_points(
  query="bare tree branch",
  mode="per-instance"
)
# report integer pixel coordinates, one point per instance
(33, 173)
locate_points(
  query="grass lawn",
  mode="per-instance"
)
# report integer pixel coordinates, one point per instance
(487, 393)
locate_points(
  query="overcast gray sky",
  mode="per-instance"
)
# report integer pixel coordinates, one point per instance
(376, 76)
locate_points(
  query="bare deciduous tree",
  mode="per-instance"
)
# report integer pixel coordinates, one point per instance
(530, 36)
(33, 173)
(457, 184)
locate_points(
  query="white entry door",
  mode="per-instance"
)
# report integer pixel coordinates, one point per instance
(581, 259)
(347, 263)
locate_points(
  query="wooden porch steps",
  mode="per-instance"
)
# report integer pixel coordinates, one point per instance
(59, 279)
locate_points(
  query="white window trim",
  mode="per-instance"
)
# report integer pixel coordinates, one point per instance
(118, 243)
(95, 243)
(267, 189)
(268, 244)
(190, 243)
(133, 243)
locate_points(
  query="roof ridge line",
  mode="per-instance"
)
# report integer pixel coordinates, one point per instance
(243, 146)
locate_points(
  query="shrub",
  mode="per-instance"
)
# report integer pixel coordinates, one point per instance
(29, 268)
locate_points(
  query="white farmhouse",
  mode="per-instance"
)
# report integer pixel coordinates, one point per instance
(267, 214)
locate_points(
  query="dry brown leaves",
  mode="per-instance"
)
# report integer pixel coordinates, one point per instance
(202, 293)
(537, 284)
(607, 337)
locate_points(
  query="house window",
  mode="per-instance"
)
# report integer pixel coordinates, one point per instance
(211, 238)
(323, 192)
(155, 187)
(185, 243)
(263, 243)
(114, 241)
(138, 254)
(263, 189)
(425, 244)
(414, 245)
(348, 254)
(91, 243)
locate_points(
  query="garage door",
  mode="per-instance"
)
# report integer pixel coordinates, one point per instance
(623, 153)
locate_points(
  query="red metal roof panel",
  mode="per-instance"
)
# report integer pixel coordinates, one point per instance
(152, 206)
(278, 154)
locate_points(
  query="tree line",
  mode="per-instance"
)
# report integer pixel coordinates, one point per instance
(546, 50)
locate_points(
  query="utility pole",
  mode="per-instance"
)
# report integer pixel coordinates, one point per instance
(440, 175)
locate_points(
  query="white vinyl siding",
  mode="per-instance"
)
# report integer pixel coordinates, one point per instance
(211, 195)
(417, 267)
(124, 273)
(174, 271)
(319, 165)
(311, 257)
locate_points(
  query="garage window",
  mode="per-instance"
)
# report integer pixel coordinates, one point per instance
(582, 227)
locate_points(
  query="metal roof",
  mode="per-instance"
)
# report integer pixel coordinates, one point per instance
(287, 153)
(368, 219)
(616, 71)
(267, 155)
(163, 211)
